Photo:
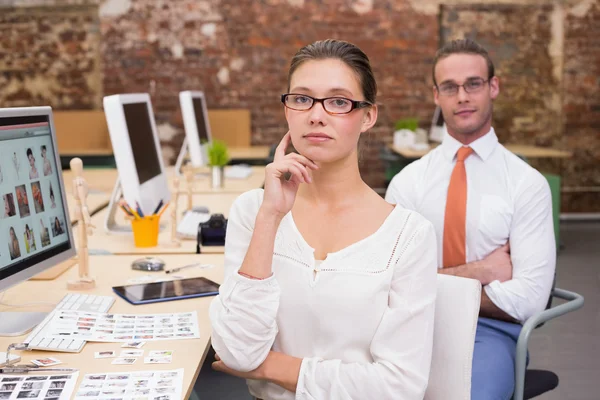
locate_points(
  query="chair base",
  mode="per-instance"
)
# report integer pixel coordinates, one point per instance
(538, 382)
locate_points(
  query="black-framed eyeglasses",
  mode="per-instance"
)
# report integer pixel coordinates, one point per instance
(472, 85)
(332, 105)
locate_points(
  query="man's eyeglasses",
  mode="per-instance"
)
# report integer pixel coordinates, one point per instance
(471, 86)
(332, 105)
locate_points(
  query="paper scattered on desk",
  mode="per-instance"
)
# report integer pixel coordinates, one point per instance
(131, 353)
(134, 345)
(105, 354)
(153, 385)
(27, 386)
(158, 360)
(104, 327)
(123, 361)
(46, 362)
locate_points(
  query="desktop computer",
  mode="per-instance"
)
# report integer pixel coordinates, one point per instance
(197, 126)
(142, 178)
(438, 126)
(35, 230)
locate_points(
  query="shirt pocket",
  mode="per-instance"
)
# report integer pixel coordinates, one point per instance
(495, 218)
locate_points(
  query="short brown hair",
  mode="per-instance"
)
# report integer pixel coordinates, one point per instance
(463, 46)
(350, 54)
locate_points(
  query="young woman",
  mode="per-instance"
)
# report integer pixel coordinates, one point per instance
(13, 245)
(33, 172)
(52, 202)
(29, 239)
(57, 228)
(46, 162)
(329, 290)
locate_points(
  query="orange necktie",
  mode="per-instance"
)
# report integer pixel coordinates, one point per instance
(455, 218)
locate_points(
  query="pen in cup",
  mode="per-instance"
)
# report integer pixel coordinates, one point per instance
(189, 266)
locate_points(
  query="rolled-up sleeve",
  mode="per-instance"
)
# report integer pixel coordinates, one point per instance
(402, 345)
(243, 315)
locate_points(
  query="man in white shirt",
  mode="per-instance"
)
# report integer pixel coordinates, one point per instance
(491, 211)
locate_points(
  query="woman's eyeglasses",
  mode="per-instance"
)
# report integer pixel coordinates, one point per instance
(332, 105)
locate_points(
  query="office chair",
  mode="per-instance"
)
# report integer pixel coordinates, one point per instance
(530, 383)
(456, 311)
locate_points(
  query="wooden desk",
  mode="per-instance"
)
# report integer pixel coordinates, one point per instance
(123, 243)
(113, 271)
(249, 153)
(103, 180)
(521, 150)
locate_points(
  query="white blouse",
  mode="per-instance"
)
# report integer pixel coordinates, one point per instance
(362, 320)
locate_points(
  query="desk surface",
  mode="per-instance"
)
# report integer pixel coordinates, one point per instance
(103, 180)
(123, 243)
(249, 153)
(113, 271)
(522, 150)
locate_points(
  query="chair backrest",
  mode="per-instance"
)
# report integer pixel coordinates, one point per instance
(456, 312)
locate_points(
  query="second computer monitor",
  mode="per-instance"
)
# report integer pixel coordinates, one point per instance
(137, 150)
(197, 126)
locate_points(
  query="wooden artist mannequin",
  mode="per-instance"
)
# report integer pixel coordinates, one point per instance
(84, 226)
(175, 203)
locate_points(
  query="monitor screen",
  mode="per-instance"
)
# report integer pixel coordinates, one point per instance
(143, 147)
(33, 215)
(200, 120)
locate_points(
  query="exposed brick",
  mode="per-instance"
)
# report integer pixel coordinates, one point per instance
(69, 53)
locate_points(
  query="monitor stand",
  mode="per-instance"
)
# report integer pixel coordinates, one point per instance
(182, 158)
(19, 323)
(110, 223)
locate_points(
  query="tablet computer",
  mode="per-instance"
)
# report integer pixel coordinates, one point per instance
(144, 293)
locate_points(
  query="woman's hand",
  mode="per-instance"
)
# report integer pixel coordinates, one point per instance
(283, 177)
(278, 368)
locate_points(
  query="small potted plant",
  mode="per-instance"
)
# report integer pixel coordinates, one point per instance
(218, 157)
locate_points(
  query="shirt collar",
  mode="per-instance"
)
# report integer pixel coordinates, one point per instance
(483, 147)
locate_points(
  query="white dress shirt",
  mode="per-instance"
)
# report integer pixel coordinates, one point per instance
(361, 320)
(507, 201)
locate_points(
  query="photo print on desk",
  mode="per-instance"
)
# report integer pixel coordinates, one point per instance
(152, 385)
(119, 328)
(22, 201)
(59, 387)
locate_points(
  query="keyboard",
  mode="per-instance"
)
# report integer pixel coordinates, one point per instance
(72, 301)
(187, 228)
(240, 171)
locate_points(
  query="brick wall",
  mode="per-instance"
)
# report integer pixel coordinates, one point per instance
(581, 105)
(238, 52)
(49, 56)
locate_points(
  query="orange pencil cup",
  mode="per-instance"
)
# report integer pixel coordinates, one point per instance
(145, 231)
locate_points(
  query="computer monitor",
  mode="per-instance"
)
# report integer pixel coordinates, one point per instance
(137, 150)
(197, 126)
(35, 229)
(438, 126)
